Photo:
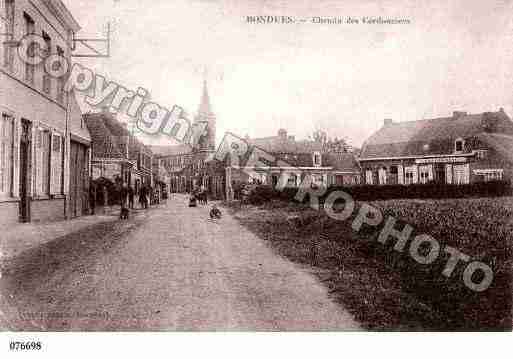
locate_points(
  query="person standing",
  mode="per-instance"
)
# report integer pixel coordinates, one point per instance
(131, 195)
(143, 197)
(92, 197)
(123, 195)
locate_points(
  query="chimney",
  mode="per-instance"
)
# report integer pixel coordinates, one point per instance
(458, 114)
(388, 122)
(282, 133)
(490, 122)
(501, 110)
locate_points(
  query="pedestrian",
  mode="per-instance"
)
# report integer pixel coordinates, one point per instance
(150, 195)
(92, 197)
(143, 197)
(244, 194)
(123, 192)
(131, 195)
(105, 193)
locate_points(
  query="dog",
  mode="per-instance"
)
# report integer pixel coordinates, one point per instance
(124, 214)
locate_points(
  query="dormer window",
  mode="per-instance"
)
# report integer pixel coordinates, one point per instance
(481, 154)
(459, 145)
(317, 159)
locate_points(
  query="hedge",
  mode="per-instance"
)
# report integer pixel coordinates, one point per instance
(262, 194)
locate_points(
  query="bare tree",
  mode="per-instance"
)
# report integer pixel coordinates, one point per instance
(332, 145)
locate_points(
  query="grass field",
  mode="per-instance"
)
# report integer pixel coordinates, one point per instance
(387, 290)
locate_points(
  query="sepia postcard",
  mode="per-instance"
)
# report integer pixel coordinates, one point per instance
(255, 166)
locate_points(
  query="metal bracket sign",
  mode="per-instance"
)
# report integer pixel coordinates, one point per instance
(99, 48)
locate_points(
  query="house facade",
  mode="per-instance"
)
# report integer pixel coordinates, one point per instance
(460, 149)
(117, 155)
(298, 159)
(44, 148)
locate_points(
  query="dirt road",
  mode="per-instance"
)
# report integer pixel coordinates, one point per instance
(176, 270)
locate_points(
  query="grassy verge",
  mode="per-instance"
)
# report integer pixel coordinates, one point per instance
(387, 290)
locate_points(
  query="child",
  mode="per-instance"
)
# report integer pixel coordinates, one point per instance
(215, 213)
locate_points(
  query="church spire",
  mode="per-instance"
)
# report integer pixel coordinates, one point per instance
(204, 110)
(206, 115)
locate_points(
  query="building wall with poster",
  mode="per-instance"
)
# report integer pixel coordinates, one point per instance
(461, 149)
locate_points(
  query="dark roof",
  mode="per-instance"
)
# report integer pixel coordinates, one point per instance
(410, 138)
(175, 150)
(115, 127)
(105, 145)
(343, 162)
(109, 137)
(503, 144)
(277, 144)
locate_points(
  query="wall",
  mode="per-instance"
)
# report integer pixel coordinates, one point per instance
(22, 99)
(47, 210)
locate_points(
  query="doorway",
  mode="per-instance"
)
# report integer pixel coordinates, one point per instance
(79, 183)
(25, 169)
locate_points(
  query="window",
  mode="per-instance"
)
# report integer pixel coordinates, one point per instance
(459, 145)
(490, 174)
(425, 174)
(382, 176)
(410, 175)
(30, 28)
(448, 173)
(461, 174)
(6, 155)
(481, 154)
(292, 180)
(493, 176)
(368, 177)
(317, 159)
(317, 180)
(47, 80)
(43, 162)
(9, 30)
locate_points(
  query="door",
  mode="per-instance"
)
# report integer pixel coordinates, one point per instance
(25, 156)
(79, 184)
(440, 173)
(73, 190)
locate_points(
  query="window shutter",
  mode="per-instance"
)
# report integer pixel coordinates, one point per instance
(16, 158)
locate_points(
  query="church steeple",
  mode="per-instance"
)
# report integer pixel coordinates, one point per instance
(206, 115)
(204, 109)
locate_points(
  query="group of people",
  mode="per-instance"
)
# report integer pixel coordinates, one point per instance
(200, 195)
(147, 196)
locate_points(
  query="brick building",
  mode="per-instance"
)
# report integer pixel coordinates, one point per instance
(460, 149)
(44, 145)
(302, 158)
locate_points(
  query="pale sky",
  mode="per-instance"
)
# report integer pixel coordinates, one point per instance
(455, 55)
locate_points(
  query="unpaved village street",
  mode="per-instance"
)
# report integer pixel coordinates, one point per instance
(172, 269)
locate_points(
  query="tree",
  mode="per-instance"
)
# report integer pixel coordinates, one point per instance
(332, 145)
